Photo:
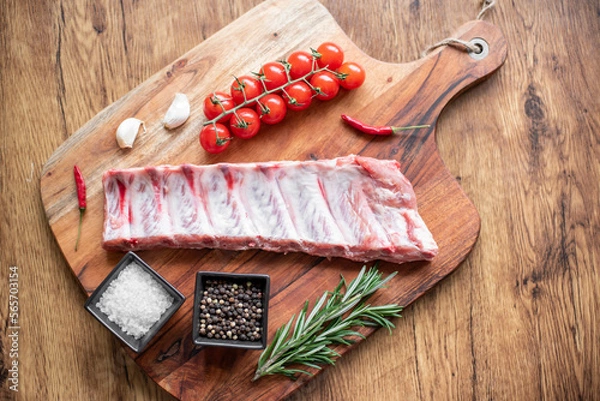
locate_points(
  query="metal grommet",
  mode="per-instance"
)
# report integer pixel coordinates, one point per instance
(483, 47)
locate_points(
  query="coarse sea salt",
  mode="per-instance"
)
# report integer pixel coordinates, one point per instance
(134, 300)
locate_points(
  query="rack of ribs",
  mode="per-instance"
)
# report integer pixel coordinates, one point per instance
(353, 207)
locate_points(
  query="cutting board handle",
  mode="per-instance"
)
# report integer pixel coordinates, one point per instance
(421, 94)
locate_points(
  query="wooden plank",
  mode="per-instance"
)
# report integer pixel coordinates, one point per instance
(517, 320)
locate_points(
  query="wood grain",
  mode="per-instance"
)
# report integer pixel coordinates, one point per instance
(518, 320)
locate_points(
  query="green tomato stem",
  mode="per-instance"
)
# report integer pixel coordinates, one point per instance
(265, 93)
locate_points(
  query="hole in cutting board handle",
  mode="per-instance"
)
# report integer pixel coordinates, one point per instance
(482, 45)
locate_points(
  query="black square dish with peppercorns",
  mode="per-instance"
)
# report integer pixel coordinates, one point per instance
(230, 310)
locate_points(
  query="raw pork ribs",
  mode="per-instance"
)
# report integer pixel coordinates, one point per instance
(353, 207)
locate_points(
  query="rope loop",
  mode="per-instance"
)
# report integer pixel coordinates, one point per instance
(485, 7)
(462, 44)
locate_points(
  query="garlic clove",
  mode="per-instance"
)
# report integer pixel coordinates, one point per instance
(127, 132)
(178, 112)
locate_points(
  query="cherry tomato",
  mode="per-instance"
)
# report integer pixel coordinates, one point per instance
(274, 75)
(297, 96)
(352, 75)
(215, 138)
(215, 104)
(301, 64)
(248, 85)
(245, 123)
(332, 56)
(326, 85)
(271, 108)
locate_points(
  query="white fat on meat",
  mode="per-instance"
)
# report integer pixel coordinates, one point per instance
(354, 207)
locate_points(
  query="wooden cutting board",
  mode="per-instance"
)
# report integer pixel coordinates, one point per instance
(393, 94)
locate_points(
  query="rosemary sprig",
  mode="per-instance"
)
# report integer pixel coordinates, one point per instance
(330, 322)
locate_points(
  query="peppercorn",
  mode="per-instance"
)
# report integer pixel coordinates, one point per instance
(231, 311)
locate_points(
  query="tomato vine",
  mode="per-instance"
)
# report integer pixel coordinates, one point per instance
(279, 86)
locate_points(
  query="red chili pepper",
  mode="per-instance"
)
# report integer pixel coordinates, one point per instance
(80, 183)
(377, 130)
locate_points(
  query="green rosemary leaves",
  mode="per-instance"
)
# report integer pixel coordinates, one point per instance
(332, 321)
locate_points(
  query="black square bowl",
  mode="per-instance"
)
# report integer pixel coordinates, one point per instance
(261, 281)
(136, 345)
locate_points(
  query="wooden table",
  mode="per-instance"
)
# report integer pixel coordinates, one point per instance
(518, 320)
